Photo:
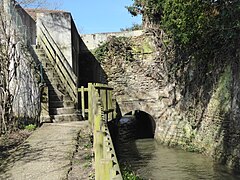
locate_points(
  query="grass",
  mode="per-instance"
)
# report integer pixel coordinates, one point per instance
(30, 127)
(88, 157)
(128, 173)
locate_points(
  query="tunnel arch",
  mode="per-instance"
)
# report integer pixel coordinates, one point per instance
(145, 125)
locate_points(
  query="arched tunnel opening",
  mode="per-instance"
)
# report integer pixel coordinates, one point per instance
(136, 125)
(145, 125)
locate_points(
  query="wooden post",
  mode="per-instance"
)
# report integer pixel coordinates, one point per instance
(106, 169)
(99, 100)
(110, 105)
(98, 149)
(98, 119)
(90, 103)
(83, 102)
(114, 102)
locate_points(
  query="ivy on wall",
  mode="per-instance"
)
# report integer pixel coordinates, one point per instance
(114, 47)
(194, 23)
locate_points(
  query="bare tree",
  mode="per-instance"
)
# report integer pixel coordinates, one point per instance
(43, 4)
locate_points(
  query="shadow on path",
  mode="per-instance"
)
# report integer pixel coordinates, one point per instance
(46, 154)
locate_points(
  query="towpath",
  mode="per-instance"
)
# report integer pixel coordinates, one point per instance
(46, 155)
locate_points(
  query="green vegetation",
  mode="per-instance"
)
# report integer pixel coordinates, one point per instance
(88, 157)
(134, 27)
(88, 145)
(205, 35)
(120, 47)
(190, 20)
(199, 44)
(128, 173)
(201, 30)
(31, 127)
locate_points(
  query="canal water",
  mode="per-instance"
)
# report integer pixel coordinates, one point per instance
(153, 161)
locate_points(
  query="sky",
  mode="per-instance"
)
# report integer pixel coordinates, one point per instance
(97, 16)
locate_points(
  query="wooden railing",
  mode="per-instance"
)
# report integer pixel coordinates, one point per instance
(61, 65)
(101, 110)
(105, 95)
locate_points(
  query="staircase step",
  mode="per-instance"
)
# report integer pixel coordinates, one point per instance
(50, 75)
(39, 50)
(45, 119)
(60, 104)
(46, 63)
(53, 79)
(60, 111)
(49, 69)
(54, 83)
(58, 93)
(59, 98)
(57, 89)
(66, 118)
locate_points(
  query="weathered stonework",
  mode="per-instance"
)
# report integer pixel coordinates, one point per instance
(24, 68)
(207, 125)
(25, 86)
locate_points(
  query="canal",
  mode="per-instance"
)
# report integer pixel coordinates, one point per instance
(151, 160)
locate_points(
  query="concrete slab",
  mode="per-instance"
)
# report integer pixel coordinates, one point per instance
(45, 155)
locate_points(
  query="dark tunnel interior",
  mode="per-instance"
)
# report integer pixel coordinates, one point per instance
(144, 124)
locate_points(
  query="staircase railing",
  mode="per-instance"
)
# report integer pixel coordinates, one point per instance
(100, 111)
(61, 65)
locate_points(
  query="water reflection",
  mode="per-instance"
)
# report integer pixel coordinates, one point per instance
(153, 161)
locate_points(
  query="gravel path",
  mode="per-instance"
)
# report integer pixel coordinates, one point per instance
(47, 154)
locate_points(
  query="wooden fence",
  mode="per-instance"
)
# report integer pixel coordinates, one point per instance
(100, 109)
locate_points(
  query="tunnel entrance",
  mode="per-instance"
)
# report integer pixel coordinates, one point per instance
(145, 125)
(136, 125)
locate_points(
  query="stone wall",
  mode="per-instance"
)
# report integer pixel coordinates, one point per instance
(25, 86)
(24, 68)
(135, 87)
(90, 70)
(76, 41)
(26, 25)
(197, 115)
(58, 24)
(92, 41)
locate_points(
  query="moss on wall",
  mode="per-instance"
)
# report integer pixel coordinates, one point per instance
(191, 102)
(123, 48)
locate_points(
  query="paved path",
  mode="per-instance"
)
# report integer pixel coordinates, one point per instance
(45, 155)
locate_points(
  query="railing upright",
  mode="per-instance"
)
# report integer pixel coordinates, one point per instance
(99, 109)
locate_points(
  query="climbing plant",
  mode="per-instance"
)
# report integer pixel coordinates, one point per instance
(202, 40)
(132, 28)
(211, 24)
(119, 47)
(13, 48)
(7, 53)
